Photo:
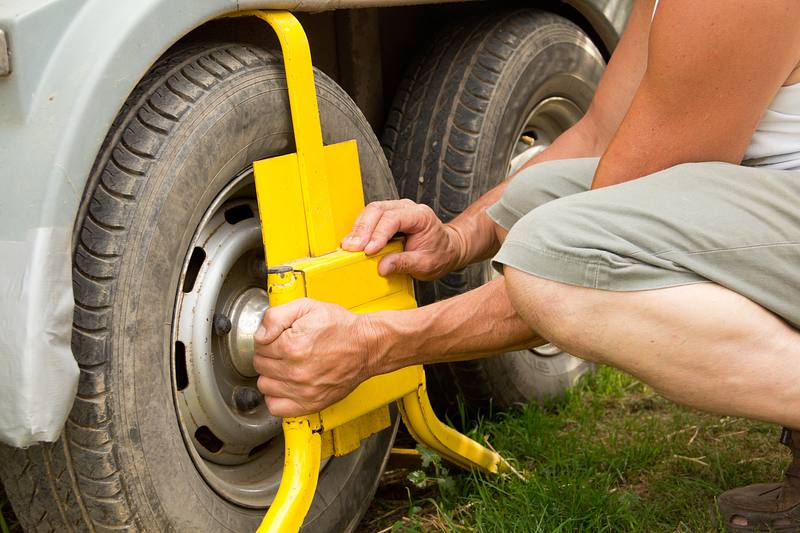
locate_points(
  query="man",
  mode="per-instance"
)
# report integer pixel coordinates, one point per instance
(638, 240)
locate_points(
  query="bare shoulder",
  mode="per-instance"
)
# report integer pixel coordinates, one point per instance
(745, 36)
(712, 69)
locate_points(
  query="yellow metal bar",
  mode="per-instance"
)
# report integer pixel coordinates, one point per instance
(299, 479)
(307, 129)
(284, 285)
(405, 451)
(281, 195)
(303, 218)
(427, 429)
(327, 277)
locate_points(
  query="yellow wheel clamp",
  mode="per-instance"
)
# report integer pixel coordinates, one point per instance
(308, 201)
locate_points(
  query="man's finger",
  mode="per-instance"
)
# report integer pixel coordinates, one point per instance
(270, 364)
(283, 407)
(278, 319)
(394, 221)
(268, 386)
(402, 263)
(363, 226)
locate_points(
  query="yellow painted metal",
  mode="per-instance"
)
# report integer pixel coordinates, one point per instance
(347, 437)
(284, 287)
(307, 129)
(284, 201)
(299, 480)
(314, 163)
(373, 393)
(308, 201)
(406, 451)
(427, 429)
(327, 277)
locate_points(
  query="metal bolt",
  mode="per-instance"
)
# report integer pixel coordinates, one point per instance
(246, 398)
(282, 269)
(222, 325)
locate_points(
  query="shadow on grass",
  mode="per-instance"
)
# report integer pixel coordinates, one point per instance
(8, 522)
(612, 456)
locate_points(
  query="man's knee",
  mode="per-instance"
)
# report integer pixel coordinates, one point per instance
(544, 182)
(562, 230)
(562, 240)
(560, 313)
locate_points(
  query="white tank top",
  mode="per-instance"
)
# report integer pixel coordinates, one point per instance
(776, 141)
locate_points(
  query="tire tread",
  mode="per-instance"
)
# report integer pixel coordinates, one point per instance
(445, 98)
(79, 475)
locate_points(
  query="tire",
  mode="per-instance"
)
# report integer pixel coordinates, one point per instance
(183, 142)
(457, 121)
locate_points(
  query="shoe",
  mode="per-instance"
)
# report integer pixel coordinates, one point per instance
(766, 506)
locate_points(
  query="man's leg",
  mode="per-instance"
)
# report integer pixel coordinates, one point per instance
(619, 275)
(700, 345)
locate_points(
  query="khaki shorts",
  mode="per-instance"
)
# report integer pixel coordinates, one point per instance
(698, 222)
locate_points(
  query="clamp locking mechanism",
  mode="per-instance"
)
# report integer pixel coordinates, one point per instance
(308, 201)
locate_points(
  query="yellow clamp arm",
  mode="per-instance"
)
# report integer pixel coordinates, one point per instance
(307, 201)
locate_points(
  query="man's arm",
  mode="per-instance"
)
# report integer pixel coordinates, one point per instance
(712, 69)
(589, 137)
(311, 354)
(433, 249)
(476, 324)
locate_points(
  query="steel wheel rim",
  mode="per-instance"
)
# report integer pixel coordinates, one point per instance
(546, 121)
(235, 444)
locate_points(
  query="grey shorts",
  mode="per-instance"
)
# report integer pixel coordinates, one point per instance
(698, 222)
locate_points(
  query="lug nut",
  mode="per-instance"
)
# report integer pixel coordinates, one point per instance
(246, 398)
(222, 325)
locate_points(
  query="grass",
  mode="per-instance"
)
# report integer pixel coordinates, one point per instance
(614, 456)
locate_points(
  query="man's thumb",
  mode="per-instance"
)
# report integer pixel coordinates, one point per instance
(278, 319)
(390, 265)
(402, 263)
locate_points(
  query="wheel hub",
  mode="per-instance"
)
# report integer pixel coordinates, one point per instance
(547, 120)
(236, 444)
(246, 314)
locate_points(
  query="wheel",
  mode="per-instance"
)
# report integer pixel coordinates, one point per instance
(485, 91)
(168, 432)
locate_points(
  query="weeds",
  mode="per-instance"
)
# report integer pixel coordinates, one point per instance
(612, 456)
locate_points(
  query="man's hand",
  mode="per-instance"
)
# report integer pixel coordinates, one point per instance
(311, 354)
(432, 248)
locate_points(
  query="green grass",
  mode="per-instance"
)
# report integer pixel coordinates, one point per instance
(612, 457)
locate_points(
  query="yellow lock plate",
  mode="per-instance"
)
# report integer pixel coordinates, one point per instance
(307, 202)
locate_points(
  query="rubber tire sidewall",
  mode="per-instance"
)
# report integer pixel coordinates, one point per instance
(546, 64)
(242, 120)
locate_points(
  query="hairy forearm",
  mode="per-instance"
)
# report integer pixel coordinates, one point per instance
(475, 230)
(472, 325)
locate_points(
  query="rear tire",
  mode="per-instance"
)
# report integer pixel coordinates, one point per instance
(192, 127)
(455, 125)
